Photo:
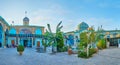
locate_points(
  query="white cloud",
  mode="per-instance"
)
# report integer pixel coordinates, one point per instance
(69, 25)
(52, 16)
(55, 13)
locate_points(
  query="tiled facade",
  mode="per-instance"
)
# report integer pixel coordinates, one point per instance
(27, 35)
(112, 36)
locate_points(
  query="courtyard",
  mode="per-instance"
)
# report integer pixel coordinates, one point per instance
(9, 56)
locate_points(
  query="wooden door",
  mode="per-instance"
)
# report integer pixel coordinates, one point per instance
(38, 43)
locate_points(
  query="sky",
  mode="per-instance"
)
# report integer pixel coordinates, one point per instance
(70, 12)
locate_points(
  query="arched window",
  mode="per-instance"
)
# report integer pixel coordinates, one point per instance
(71, 39)
(12, 31)
(38, 31)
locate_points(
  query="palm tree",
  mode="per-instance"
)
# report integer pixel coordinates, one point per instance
(54, 36)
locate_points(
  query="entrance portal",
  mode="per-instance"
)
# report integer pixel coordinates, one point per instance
(38, 43)
(13, 43)
(0, 44)
(25, 42)
(113, 42)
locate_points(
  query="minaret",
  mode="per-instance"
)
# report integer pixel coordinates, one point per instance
(26, 19)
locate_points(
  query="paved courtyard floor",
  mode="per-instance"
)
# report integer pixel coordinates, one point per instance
(9, 56)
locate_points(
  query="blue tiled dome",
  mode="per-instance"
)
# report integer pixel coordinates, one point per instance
(26, 19)
(83, 26)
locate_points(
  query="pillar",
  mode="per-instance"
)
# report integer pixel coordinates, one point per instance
(118, 43)
(16, 39)
(32, 42)
(3, 40)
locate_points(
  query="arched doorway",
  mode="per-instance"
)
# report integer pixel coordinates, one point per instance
(38, 43)
(38, 31)
(71, 39)
(13, 39)
(26, 41)
(1, 35)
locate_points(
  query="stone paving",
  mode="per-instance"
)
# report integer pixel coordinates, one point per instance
(9, 56)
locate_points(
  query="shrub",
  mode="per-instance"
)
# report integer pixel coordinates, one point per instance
(60, 41)
(82, 54)
(92, 51)
(20, 48)
(101, 44)
(63, 49)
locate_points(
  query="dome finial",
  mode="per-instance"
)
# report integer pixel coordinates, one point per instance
(25, 13)
(25, 19)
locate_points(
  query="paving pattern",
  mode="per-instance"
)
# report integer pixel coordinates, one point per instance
(9, 56)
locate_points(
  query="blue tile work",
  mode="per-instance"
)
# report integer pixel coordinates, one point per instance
(1, 35)
(27, 35)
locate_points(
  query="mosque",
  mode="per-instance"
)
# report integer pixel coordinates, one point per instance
(73, 37)
(27, 35)
(111, 36)
(31, 36)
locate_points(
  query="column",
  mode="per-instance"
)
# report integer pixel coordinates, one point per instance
(3, 40)
(32, 41)
(118, 43)
(16, 39)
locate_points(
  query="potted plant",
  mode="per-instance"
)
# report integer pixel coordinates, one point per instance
(69, 50)
(20, 49)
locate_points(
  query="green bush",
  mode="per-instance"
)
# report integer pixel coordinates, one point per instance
(63, 49)
(60, 41)
(82, 54)
(101, 44)
(104, 44)
(92, 51)
(20, 48)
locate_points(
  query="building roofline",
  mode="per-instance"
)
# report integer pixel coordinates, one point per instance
(111, 31)
(70, 32)
(4, 21)
(28, 26)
